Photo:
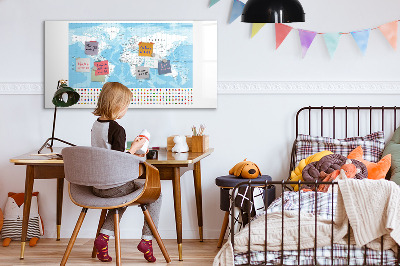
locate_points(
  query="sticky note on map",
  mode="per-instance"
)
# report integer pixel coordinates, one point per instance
(145, 49)
(151, 62)
(142, 72)
(82, 65)
(91, 48)
(100, 78)
(102, 68)
(164, 67)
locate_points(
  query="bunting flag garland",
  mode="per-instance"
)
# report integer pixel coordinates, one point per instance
(213, 2)
(281, 31)
(237, 8)
(389, 30)
(306, 39)
(361, 37)
(332, 41)
(256, 27)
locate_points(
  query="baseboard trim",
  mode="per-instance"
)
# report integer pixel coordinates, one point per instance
(259, 87)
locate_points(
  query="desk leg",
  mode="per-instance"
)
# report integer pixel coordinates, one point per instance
(60, 190)
(176, 182)
(199, 204)
(27, 206)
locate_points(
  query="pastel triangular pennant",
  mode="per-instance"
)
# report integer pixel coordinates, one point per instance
(361, 37)
(306, 39)
(389, 30)
(332, 41)
(281, 31)
(213, 2)
(237, 8)
(256, 27)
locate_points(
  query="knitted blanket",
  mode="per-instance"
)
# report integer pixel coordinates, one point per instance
(274, 235)
(371, 207)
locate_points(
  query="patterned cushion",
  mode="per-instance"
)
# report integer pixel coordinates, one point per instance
(372, 144)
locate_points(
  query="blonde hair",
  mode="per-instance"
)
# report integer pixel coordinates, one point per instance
(112, 99)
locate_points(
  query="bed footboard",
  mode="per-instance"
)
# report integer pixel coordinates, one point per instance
(310, 254)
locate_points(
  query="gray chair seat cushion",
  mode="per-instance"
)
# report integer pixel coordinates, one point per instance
(83, 196)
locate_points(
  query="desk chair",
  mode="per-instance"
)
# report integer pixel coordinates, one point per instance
(85, 167)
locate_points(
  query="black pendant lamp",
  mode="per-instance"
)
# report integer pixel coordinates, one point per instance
(273, 11)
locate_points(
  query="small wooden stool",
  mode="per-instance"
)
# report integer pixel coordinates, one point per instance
(226, 183)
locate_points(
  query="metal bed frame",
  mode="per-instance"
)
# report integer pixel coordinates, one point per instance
(283, 184)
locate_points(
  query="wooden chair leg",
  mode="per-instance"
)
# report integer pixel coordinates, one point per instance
(101, 222)
(223, 229)
(73, 237)
(154, 230)
(117, 238)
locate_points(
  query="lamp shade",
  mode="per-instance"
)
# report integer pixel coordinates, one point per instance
(65, 96)
(273, 11)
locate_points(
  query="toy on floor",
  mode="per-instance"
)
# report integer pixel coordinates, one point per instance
(245, 169)
(1, 219)
(180, 144)
(13, 215)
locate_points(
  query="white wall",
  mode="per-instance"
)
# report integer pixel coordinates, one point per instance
(259, 127)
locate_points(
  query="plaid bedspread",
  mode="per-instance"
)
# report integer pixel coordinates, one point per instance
(307, 202)
(324, 257)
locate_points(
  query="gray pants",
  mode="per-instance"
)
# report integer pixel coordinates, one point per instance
(154, 208)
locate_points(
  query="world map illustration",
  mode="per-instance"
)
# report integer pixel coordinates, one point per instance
(139, 55)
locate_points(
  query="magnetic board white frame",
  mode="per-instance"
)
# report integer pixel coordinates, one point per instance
(204, 62)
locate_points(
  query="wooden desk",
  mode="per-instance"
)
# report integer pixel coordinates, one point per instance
(171, 167)
(40, 167)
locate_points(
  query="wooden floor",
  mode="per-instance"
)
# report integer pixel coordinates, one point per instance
(50, 252)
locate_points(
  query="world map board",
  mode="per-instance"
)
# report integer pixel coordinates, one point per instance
(154, 60)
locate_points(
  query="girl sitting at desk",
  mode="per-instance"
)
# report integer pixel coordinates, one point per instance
(112, 104)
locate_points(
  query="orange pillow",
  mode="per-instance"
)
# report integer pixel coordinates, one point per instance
(375, 170)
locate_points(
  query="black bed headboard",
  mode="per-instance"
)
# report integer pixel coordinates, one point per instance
(344, 121)
(346, 111)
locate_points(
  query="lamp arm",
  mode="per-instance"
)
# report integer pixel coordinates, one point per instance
(54, 126)
(46, 143)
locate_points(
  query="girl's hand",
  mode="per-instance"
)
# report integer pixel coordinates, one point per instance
(143, 155)
(137, 144)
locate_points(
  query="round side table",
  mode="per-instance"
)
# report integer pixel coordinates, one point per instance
(228, 182)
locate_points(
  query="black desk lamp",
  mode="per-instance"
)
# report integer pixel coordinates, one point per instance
(64, 97)
(273, 11)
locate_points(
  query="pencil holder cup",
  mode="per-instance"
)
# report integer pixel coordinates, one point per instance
(200, 143)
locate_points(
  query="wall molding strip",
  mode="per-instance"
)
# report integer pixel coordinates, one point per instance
(259, 87)
(22, 88)
(309, 87)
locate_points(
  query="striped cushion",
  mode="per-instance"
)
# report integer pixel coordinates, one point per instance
(13, 228)
(372, 145)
